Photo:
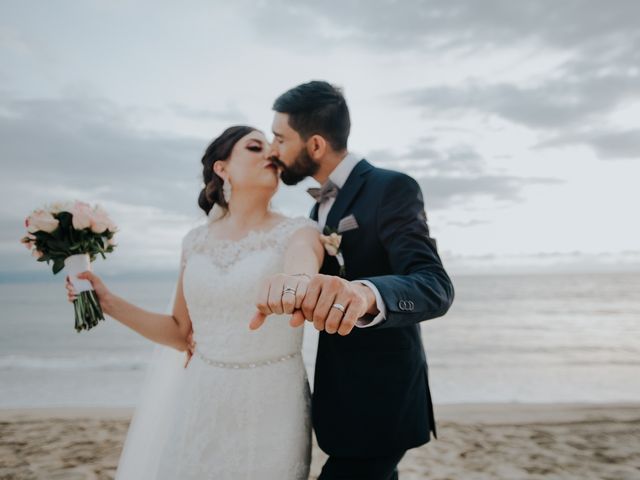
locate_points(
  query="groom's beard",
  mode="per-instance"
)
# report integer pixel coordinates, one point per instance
(302, 167)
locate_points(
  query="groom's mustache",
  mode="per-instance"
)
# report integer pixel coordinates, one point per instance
(278, 163)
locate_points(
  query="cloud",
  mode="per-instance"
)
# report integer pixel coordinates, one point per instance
(607, 145)
(426, 157)
(570, 106)
(11, 41)
(89, 144)
(467, 224)
(561, 103)
(452, 176)
(449, 191)
(461, 24)
(230, 114)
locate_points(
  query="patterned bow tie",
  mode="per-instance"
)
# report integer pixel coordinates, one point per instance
(325, 192)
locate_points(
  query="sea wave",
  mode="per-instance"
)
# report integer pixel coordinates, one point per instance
(80, 362)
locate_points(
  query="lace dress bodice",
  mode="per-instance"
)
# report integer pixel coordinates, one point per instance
(217, 419)
(221, 282)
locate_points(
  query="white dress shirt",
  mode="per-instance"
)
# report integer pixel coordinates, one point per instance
(339, 176)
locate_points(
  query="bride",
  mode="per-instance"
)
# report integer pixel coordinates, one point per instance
(239, 408)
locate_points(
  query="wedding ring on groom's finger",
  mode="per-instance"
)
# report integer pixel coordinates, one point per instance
(339, 306)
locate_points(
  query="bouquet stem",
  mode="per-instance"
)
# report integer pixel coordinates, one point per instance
(88, 310)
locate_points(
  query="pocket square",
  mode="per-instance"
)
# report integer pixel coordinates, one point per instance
(347, 223)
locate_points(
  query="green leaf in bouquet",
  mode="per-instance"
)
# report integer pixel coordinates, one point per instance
(65, 220)
(58, 265)
(58, 247)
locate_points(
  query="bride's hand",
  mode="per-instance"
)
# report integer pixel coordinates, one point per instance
(191, 348)
(98, 285)
(281, 294)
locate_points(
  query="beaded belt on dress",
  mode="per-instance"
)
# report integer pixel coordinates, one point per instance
(247, 364)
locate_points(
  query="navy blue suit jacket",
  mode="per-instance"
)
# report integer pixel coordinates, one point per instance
(371, 388)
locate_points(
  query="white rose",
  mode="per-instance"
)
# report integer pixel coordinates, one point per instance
(331, 243)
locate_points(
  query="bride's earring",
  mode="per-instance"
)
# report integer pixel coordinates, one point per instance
(226, 191)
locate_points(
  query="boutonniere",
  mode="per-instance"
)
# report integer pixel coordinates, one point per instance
(332, 238)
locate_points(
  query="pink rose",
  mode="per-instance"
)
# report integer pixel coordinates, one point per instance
(112, 227)
(57, 207)
(100, 221)
(27, 241)
(82, 215)
(41, 220)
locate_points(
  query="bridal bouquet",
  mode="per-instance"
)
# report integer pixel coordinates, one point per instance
(71, 235)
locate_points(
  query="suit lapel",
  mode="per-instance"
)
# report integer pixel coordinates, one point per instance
(314, 212)
(348, 193)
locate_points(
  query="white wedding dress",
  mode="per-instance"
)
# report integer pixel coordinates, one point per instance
(241, 409)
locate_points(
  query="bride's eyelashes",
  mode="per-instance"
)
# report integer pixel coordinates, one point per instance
(255, 148)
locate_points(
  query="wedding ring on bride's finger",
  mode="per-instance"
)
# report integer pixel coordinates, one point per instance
(289, 290)
(339, 306)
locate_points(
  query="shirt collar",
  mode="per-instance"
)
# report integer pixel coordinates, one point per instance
(341, 173)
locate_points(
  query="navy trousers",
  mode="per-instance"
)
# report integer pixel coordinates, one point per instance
(380, 468)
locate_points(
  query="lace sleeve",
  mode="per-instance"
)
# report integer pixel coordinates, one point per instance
(189, 241)
(291, 226)
(296, 223)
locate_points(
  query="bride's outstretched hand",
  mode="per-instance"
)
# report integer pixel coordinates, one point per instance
(281, 294)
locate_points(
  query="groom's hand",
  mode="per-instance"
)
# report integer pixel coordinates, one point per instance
(326, 295)
(281, 294)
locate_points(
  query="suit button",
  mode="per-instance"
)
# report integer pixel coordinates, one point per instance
(411, 305)
(402, 305)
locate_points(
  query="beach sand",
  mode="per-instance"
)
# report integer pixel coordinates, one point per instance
(493, 441)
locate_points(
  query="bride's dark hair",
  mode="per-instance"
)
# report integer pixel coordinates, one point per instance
(219, 149)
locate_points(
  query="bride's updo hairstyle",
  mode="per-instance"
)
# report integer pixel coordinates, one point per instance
(219, 149)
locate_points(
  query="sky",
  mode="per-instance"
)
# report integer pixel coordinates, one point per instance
(520, 120)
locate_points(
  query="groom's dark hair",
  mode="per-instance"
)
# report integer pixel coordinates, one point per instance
(317, 108)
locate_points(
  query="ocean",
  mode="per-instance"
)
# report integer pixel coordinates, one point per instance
(507, 338)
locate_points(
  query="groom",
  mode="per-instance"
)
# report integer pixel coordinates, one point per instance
(371, 399)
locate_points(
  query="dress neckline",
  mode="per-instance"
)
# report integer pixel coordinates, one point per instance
(250, 234)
